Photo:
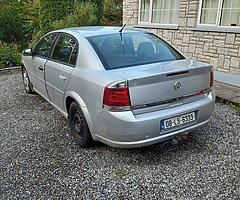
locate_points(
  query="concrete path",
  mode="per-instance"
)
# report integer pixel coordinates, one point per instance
(227, 92)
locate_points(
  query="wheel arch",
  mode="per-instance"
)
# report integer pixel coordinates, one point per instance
(73, 96)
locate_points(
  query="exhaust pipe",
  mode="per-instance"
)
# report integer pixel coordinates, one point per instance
(181, 137)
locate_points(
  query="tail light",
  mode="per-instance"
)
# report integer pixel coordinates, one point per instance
(211, 84)
(211, 79)
(116, 97)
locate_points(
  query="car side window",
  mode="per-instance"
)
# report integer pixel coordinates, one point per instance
(66, 50)
(43, 47)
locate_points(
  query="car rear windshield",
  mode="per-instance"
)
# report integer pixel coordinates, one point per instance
(122, 50)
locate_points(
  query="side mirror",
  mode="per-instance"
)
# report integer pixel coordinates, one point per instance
(28, 52)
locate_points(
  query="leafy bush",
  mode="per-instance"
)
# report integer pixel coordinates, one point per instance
(36, 36)
(84, 14)
(29, 13)
(10, 25)
(10, 50)
(52, 10)
(113, 11)
(99, 4)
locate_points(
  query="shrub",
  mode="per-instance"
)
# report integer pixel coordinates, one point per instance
(10, 50)
(10, 25)
(83, 14)
(36, 36)
(29, 13)
(113, 11)
(52, 10)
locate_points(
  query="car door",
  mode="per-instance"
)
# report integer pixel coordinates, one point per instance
(59, 68)
(40, 57)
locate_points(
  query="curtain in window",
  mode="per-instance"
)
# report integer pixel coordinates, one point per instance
(209, 11)
(165, 11)
(144, 10)
(230, 13)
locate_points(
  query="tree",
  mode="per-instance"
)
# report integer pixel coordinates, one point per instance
(10, 22)
(100, 8)
(52, 10)
(29, 13)
(84, 14)
(113, 11)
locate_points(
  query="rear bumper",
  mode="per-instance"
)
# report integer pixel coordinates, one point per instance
(126, 130)
(150, 141)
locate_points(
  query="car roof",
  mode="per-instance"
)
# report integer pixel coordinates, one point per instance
(88, 31)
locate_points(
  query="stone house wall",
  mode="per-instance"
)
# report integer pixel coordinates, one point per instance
(221, 50)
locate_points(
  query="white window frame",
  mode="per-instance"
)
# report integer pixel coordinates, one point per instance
(149, 23)
(218, 20)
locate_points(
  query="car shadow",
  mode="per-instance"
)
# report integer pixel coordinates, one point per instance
(162, 153)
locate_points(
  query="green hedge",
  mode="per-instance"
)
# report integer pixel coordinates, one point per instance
(10, 50)
(52, 10)
(83, 14)
(10, 25)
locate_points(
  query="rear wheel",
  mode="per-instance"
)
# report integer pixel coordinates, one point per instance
(79, 127)
(26, 82)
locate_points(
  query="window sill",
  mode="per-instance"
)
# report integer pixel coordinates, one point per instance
(158, 26)
(217, 29)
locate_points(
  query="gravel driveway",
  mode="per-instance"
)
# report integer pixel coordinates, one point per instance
(39, 160)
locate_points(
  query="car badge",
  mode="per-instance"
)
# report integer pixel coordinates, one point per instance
(177, 86)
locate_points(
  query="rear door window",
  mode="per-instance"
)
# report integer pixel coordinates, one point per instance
(65, 50)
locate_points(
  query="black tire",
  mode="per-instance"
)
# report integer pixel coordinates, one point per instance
(26, 82)
(79, 127)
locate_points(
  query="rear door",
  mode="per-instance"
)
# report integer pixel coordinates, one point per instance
(40, 56)
(59, 68)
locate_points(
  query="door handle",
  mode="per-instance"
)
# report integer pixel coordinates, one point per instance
(40, 68)
(63, 78)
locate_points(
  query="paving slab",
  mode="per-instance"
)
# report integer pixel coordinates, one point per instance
(227, 92)
(236, 100)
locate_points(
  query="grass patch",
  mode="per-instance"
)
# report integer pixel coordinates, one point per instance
(235, 106)
(121, 173)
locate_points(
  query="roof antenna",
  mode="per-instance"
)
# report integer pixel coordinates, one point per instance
(120, 31)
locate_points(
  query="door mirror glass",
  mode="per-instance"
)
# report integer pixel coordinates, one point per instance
(27, 52)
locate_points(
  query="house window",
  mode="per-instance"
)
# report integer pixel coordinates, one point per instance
(144, 10)
(220, 12)
(159, 11)
(230, 13)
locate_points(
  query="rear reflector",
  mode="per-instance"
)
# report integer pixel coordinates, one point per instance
(116, 99)
(211, 79)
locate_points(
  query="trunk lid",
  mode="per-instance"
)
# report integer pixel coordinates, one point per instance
(163, 82)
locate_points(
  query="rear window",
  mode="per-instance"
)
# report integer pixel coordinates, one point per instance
(131, 49)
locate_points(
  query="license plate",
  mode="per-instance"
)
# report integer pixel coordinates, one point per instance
(177, 121)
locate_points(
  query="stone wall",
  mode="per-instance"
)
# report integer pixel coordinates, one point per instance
(222, 50)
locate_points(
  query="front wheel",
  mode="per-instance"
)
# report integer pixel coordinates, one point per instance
(26, 82)
(79, 127)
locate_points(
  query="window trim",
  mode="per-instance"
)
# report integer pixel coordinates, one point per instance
(54, 45)
(218, 19)
(150, 23)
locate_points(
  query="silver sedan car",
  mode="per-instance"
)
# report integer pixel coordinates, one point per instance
(126, 88)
